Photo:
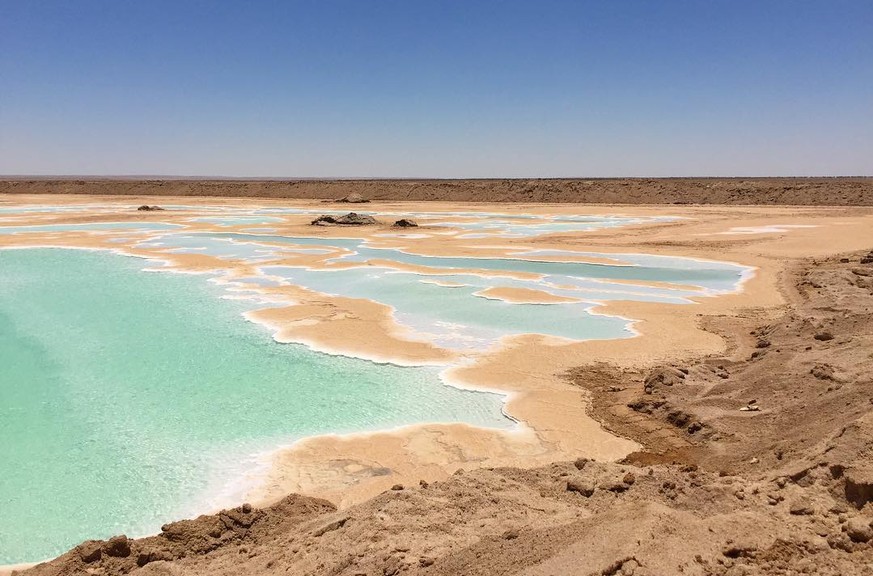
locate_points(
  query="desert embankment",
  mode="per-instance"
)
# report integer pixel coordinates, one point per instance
(848, 191)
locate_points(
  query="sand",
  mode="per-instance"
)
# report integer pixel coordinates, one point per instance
(523, 296)
(560, 422)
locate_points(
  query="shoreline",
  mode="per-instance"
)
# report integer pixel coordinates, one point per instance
(419, 451)
(693, 501)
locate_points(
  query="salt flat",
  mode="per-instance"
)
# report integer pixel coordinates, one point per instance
(455, 297)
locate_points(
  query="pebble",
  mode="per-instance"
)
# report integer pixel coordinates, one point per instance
(858, 529)
(583, 487)
(800, 508)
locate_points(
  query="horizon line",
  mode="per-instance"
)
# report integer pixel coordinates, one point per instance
(217, 177)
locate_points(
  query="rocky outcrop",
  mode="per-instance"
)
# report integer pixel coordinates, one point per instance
(350, 219)
(609, 518)
(226, 531)
(405, 223)
(353, 198)
(663, 376)
(147, 208)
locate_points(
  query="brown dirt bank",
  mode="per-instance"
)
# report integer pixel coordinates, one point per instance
(782, 488)
(737, 191)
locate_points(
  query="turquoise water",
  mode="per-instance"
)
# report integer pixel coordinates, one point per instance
(483, 224)
(223, 248)
(237, 220)
(89, 227)
(460, 317)
(41, 209)
(454, 317)
(716, 276)
(518, 229)
(128, 398)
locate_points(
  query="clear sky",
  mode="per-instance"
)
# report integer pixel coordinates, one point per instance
(452, 88)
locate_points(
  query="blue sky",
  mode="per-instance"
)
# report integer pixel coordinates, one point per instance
(452, 88)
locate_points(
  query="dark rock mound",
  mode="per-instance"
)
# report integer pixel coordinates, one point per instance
(350, 219)
(117, 546)
(147, 208)
(353, 198)
(823, 371)
(324, 220)
(663, 376)
(90, 551)
(405, 223)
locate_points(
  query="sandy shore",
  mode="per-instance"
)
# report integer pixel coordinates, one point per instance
(556, 424)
